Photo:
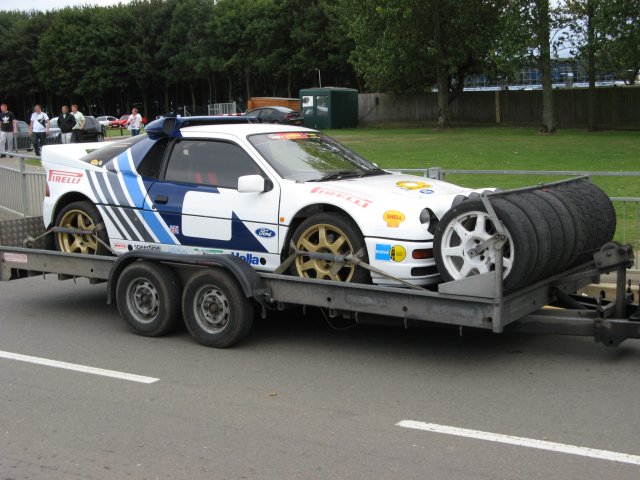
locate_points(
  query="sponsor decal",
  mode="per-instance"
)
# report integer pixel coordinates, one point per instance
(383, 252)
(175, 229)
(393, 218)
(427, 191)
(398, 253)
(154, 248)
(96, 163)
(207, 251)
(60, 176)
(120, 246)
(412, 185)
(292, 136)
(249, 258)
(360, 201)
(178, 249)
(265, 233)
(15, 257)
(387, 253)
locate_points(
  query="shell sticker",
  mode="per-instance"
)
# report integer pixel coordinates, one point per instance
(393, 218)
(412, 185)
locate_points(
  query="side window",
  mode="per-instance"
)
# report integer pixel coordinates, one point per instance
(209, 162)
(322, 102)
(152, 162)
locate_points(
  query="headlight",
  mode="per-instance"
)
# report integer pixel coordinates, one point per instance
(428, 218)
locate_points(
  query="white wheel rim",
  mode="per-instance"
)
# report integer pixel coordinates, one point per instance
(464, 233)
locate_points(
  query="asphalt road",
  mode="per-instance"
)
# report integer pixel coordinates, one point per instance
(300, 400)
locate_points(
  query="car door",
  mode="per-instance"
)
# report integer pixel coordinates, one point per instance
(198, 198)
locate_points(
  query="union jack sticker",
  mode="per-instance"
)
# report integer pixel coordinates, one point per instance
(175, 229)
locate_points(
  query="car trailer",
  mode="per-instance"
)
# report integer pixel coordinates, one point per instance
(216, 294)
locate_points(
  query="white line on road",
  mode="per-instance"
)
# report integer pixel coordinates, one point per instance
(521, 441)
(78, 368)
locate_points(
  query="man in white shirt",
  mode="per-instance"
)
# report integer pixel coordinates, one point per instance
(38, 128)
(134, 122)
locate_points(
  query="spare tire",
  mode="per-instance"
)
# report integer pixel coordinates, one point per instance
(468, 224)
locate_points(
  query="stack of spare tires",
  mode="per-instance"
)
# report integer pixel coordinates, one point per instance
(549, 229)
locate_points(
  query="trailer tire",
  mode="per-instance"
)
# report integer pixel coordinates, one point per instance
(579, 223)
(597, 209)
(568, 254)
(148, 298)
(82, 215)
(545, 238)
(215, 309)
(451, 250)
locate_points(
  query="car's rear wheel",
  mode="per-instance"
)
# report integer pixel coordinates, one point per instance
(330, 234)
(84, 216)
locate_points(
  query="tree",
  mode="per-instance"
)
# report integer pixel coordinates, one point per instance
(410, 45)
(526, 37)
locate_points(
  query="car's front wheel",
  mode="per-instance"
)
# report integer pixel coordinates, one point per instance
(332, 234)
(84, 218)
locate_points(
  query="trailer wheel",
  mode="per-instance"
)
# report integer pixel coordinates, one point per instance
(215, 310)
(148, 297)
(467, 225)
(81, 215)
(329, 233)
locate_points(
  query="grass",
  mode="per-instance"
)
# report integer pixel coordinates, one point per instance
(500, 148)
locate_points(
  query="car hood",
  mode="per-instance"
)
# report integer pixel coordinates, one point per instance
(398, 185)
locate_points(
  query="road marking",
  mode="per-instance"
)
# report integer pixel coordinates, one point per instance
(78, 368)
(523, 442)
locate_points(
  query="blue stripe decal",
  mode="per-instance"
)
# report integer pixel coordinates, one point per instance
(138, 197)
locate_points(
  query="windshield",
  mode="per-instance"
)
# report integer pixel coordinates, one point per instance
(311, 156)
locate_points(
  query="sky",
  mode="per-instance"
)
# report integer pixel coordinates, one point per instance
(44, 5)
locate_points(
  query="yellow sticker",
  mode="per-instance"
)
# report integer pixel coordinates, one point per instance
(95, 162)
(398, 253)
(393, 218)
(412, 185)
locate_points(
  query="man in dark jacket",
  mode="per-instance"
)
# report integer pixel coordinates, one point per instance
(66, 122)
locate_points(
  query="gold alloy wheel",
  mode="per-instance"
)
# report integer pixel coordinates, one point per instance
(77, 243)
(324, 238)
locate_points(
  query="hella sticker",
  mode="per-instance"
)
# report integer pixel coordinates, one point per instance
(265, 233)
(412, 185)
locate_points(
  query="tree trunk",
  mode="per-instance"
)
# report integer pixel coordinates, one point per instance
(591, 67)
(548, 113)
(441, 70)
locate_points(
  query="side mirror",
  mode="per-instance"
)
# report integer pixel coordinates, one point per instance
(252, 184)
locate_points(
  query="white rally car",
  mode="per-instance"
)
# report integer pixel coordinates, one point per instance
(194, 186)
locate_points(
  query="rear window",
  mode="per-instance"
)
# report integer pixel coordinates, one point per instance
(111, 150)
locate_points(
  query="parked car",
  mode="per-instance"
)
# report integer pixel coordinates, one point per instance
(105, 120)
(122, 122)
(93, 130)
(22, 139)
(250, 190)
(282, 115)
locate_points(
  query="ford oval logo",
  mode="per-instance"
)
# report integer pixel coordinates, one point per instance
(265, 233)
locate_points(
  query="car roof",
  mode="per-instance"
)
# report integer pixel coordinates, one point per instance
(244, 129)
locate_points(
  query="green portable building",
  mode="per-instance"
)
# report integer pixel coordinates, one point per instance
(329, 107)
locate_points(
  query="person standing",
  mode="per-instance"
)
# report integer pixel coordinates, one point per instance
(134, 122)
(76, 132)
(8, 126)
(38, 128)
(66, 122)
